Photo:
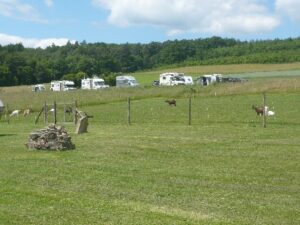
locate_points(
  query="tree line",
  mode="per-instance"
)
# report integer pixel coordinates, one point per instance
(25, 66)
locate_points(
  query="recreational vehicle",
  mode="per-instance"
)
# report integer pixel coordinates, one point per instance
(93, 83)
(2, 107)
(209, 79)
(188, 80)
(126, 81)
(171, 79)
(38, 88)
(63, 85)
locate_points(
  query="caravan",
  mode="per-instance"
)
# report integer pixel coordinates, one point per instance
(126, 81)
(209, 79)
(38, 88)
(63, 85)
(93, 83)
(171, 79)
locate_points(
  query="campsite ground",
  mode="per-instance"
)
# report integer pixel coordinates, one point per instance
(223, 169)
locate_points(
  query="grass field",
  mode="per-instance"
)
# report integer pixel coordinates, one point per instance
(223, 169)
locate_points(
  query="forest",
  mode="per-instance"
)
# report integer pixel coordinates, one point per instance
(25, 66)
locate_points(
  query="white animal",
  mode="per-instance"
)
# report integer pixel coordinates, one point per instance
(51, 110)
(268, 112)
(15, 113)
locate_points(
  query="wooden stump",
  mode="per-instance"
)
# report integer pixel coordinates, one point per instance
(82, 123)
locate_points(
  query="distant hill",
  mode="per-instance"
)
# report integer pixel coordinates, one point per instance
(19, 65)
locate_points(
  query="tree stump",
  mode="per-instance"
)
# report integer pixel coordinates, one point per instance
(82, 122)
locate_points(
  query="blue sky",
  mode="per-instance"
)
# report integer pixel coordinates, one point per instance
(39, 23)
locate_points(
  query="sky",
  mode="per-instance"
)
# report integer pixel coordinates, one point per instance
(40, 23)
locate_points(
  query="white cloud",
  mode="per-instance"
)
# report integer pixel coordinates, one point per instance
(6, 39)
(19, 10)
(179, 16)
(49, 3)
(290, 8)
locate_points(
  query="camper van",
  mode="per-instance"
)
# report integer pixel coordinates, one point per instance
(2, 107)
(188, 80)
(209, 79)
(171, 79)
(38, 88)
(93, 83)
(63, 85)
(126, 81)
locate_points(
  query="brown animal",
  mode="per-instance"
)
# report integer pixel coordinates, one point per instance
(259, 110)
(26, 112)
(68, 110)
(171, 102)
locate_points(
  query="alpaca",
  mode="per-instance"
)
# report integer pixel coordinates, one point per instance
(171, 102)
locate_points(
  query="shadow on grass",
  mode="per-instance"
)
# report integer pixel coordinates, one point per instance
(7, 135)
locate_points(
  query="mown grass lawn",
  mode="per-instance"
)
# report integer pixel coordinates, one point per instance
(224, 169)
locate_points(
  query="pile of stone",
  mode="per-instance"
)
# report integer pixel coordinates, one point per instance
(50, 138)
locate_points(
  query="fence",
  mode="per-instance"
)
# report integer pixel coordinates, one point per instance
(235, 109)
(58, 112)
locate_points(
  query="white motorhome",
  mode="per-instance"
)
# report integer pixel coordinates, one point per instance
(126, 81)
(38, 88)
(62, 85)
(93, 83)
(188, 80)
(171, 79)
(209, 79)
(2, 107)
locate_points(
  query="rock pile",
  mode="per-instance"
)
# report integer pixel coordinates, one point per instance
(50, 138)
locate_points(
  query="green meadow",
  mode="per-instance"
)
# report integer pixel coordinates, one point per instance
(224, 168)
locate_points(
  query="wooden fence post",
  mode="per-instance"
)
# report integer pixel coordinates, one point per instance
(45, 113)
(55, 118)
(264, 110)
(7, 114)
(75, 112)
(190, 111)
(64, 113)
(128, 111)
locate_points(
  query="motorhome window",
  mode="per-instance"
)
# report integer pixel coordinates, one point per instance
(99, 82)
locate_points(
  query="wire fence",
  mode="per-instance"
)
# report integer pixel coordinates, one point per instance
(199, 110)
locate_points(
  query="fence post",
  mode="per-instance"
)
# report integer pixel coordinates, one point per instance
(45, 112)
(129, 111)
(190, 111)
(264, 110)
(7, 114)
(75, 112)
(55, 119)
(64, 113)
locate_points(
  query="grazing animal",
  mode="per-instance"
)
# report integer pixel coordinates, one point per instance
(15, 113)
(259, 110)
(268, 112)
(68, 110)
(26, 112)
(51, 110)
(171, 102)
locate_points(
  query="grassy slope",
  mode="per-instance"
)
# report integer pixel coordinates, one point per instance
(224, 169)
(195, 71)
